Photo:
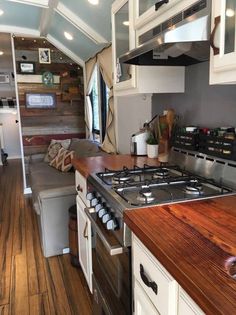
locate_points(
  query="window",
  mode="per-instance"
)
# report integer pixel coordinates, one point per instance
(99, 100)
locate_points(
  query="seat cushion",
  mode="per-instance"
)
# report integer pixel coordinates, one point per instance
(43, 176)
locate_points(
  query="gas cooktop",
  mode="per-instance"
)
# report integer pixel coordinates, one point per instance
(150, 185)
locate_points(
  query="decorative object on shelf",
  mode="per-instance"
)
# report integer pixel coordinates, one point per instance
(47, 78)
(26, 67)
(152, 146)
(44, 55)
(40, 100)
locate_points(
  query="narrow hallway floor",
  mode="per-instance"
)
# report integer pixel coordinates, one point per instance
(29, 283)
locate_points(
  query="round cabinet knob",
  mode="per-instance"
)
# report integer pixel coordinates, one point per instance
(98, 207)
(106, 217)
(94, 202)
(101, 212)
(111, 224)
(90, 196)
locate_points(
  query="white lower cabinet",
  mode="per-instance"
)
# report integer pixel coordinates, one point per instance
(156, 292)
(142, 303)
(186, 305)
(84, 242)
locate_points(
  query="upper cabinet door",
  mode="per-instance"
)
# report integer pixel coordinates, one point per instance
(123, 40)
(146, 11)
(223, 41)
(144, 6)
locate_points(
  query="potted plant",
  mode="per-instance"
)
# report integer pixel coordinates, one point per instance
(152, 145)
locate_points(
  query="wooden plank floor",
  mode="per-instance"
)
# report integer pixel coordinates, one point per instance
(29, 283)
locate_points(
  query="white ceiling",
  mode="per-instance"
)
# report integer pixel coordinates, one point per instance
(89, 24)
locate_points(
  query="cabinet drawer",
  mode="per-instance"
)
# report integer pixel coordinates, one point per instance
(81, 186)
(145, 265)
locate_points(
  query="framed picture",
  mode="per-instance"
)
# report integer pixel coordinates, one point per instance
(44, 55)
(26, 67)
(40, 100)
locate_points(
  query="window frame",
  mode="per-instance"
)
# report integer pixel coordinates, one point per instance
(102, 105)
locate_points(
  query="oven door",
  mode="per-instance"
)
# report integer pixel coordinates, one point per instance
(111, 270)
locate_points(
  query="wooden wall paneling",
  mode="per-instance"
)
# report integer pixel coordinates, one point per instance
(39, 126)
(59, 121)
(75, 108)
(35, 150)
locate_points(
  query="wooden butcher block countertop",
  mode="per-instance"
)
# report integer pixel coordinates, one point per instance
(90, 165)
(195, 242)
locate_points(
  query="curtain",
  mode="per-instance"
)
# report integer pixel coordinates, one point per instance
(104, 59)
(89, 68)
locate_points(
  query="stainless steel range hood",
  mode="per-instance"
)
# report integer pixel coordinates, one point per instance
(180, 41)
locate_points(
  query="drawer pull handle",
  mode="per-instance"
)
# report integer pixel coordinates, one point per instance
(79, 188)
(216, 50)
(85, 233)
(148, 283)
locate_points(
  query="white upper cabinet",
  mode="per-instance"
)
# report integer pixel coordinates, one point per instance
(123, 39)
(223, 41)
(130, 79)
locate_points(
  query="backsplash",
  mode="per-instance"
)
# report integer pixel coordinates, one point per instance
(201, 104)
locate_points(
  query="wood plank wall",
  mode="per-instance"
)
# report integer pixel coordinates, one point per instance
(66, 120)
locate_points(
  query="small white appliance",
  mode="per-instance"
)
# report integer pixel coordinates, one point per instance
(138, 144)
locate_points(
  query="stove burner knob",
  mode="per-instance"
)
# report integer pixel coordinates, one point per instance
(101, 212)
(98, 207)
(94, 202)
(111, 224)
(90, 195)
(106, 217)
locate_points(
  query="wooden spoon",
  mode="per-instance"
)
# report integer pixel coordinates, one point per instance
(170, 118)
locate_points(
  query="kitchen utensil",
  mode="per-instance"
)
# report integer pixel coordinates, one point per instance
(158, 127)
(170, 118)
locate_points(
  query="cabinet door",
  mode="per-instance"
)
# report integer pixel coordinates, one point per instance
(146, 12)
(223, 54)
(84, 242)
(186, 305)
(142, 304)
(123, 39)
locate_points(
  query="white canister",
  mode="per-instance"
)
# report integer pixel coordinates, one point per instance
(152, 150)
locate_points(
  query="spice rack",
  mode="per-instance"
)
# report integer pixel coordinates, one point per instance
(185, 140)
(217, 146)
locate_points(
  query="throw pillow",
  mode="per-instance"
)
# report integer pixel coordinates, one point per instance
(54, 147)
(62, 161)
(53, 150)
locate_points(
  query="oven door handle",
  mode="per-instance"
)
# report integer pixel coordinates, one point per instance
(113, 250)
